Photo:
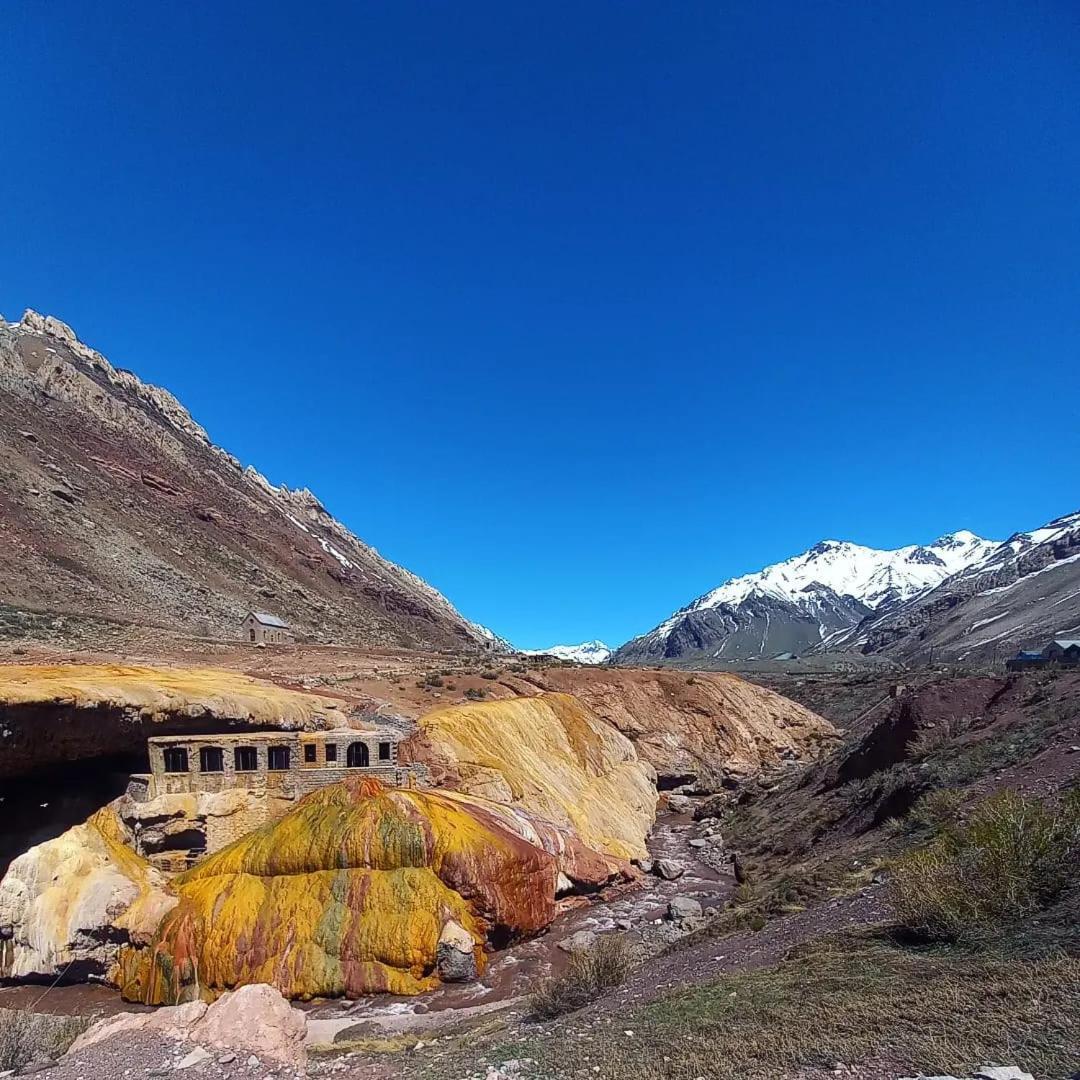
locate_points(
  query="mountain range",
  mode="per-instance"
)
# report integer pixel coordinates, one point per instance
(961, 598)
(114, 502)
(588, 652)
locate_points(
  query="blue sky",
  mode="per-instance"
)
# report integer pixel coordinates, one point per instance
(576, 309)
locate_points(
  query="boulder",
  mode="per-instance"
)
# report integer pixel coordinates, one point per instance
(1002, 1072)
(255, 1019)
(456, 954)
(680, 804)
(698, 842)
(582, 941)
(668, 869)
(683, 907)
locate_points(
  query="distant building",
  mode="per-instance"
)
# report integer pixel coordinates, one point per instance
(269, 629)
(1061, 652)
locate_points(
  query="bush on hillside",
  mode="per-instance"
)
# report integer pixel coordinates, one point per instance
(1012, 858)
(588, 975)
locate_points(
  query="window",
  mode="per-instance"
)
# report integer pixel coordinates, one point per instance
(252, 633)
(175, 758)
(357, 757)
(246, 758)
(331, 751)
(309, 752)
(277, 758)
(211, 759)
(384, 751)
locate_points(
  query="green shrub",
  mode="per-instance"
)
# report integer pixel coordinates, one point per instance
(588, 975)
(434, 679)
(475, 694)
(1012, 858)
(935, 810)
(489, 674)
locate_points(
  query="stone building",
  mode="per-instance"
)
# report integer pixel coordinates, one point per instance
(288, 764)
(260, 627)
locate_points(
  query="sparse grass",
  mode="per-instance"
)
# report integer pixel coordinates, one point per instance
(26, 1036)
(588, 975)
(855, 998)
(1012, 858)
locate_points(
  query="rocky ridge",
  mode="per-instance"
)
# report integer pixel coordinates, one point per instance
(114, 501)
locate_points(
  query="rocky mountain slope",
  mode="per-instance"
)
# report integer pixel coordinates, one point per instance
(114, 502)
(588, 652)
(1019, 595)
(797, 604)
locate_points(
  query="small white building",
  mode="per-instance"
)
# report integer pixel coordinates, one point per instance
(258, 627)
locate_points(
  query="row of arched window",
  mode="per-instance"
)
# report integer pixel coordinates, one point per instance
(278, 758)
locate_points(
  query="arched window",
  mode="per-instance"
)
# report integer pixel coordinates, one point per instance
(252, 633)
(176, 759)
(357, 757)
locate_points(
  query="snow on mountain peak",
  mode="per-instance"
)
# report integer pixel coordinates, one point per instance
(872, 576)
(588, 652)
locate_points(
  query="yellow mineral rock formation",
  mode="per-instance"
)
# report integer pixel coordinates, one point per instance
(698, 724)
(165, 691)
(347, 894)
(66, 904)
(550, 755)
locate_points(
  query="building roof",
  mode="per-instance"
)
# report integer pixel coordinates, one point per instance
(1067, 643)
(1029, 654)
(269, 620)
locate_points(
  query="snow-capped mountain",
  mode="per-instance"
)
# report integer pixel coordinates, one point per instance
(588, 652)
(1019, 595)
(797, 604)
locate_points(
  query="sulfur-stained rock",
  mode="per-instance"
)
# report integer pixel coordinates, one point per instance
(67, 905)
(348, 894)
(59, 713)
(697, 729)
(553, 757)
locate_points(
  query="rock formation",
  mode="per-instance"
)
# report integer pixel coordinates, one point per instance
(697, 727)
(553, 757)
(349, 893)
(67, 906)
(61, 713)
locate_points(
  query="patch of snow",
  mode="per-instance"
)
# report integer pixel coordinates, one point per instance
(588, 652)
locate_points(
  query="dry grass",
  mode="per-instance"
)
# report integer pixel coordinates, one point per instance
(851, 999)
(27, 1036)
(1012, 858)
(588, 975)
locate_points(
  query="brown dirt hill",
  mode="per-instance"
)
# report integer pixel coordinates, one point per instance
(114, 503)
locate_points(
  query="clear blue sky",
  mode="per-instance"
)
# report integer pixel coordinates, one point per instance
(576, 309)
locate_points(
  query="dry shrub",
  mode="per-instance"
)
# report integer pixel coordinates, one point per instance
(935, 810)
(1011, 859)
(28, 1036)
(588, 975)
